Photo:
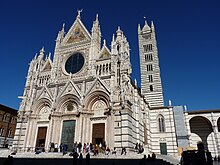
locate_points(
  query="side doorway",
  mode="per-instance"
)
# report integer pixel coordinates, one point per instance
(163, 148)
(98, 133)
(41, 138)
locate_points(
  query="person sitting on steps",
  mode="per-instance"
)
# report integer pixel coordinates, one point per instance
(123, 151)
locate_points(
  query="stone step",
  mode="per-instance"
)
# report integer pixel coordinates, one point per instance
(130, 155)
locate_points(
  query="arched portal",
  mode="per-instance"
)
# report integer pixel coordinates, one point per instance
(98, 103)
(202, 127)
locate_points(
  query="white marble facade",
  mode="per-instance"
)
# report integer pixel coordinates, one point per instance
(89, 84)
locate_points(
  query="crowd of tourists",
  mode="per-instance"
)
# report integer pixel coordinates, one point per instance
(94, 149)
(82, 148)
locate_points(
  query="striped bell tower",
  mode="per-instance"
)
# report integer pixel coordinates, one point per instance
(149, 66)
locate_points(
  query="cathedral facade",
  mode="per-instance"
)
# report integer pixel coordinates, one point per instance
(85, 94)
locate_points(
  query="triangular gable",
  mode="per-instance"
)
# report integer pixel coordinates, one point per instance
(98, 85)
(77, 33)
(70, 88)
(47, 65)
(44, 93)
(104, 53)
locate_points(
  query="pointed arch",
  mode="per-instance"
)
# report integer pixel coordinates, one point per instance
(68, 103)
(161, 123)
(43, 105)
(95, 99)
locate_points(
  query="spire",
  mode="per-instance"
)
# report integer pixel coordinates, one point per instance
(113, 37)
(41, 55)
(63, 27)
(185, 108)
(170, 103)
(139, 28)
(104, 42)
(61, 34)
(152, 25)
(35, 57)
(135, 82)
(97, 17)
(49, 55)
(42, 50)
(96, 32)
(96, 24)
(118, 33)
(119, 30)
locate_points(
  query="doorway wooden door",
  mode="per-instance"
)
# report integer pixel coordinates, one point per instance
(98, 133)
(41, 137)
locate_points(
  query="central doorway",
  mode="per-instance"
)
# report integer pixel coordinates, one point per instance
(68, 133)
(98, 133)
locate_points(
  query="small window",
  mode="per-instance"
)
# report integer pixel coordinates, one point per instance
(151, 88)
(150, 77)
(37, 66)
(148, 57)
(1, 131)
(9, 133)
(145, 48)
(4, 117)
(118, 47)
(148, 47)
(150, 67)
(11, 119)
(97, 69)
(161, 124)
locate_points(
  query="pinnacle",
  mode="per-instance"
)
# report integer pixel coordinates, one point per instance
(146, 27)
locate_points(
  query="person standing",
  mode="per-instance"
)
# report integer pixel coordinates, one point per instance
(153, 156)
(61, 147)
(80, 158)
(75, 157)
(88, 159)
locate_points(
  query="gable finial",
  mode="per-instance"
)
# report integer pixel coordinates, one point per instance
(49, 56)
(97, 17)
(63, 27)
(42, 49)
(35, 57)
(135, 82)
(79, 12)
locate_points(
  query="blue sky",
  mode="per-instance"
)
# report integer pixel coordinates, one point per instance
(187, 32)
